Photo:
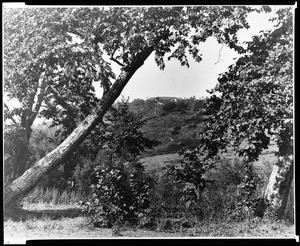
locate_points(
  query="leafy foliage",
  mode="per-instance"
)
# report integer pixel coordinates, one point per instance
(191, 172)
(256, 97)
(120, 195)
(54, 63)
(14, 142)
(123, 133)
(49, 74)
(252, 104)
(119, 188)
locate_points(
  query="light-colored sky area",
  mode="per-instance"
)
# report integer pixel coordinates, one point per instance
(178, 81)
(175, 80)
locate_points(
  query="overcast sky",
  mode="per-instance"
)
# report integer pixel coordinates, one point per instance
(177, 81)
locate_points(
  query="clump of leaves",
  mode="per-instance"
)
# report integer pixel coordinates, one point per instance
(120, 190)
(250, 202)
(191, 172)
(120, 195)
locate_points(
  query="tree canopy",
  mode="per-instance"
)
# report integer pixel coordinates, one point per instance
(252, 104)
(45, 64)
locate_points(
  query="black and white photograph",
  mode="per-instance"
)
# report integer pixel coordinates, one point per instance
(148, 122)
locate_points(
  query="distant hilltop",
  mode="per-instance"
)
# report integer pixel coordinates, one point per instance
(164, 99)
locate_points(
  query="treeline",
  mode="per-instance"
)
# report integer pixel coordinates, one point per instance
(154, 106)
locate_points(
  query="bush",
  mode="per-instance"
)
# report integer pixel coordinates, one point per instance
(177, 128)
(199, 104)
(172, 147)
(169, 106)
(121, 194)
(192, 126)
(191, 173)
(225, 197)
(182, 106)
(173, 133)
(84, 174)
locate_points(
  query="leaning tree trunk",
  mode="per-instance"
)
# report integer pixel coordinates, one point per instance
(22, 185)
(279, 184)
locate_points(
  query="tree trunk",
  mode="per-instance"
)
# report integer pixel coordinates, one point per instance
(24, 184)
(279, 184)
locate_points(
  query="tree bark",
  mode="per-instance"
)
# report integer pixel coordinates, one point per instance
(24, 184)
(279, 184)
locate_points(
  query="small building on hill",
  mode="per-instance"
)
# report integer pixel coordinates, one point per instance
(162, 100)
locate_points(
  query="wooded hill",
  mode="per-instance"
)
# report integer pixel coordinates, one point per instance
(171, 121)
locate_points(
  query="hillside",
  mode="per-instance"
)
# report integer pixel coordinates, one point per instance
(171, 121)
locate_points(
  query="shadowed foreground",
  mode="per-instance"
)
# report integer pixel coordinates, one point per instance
(46, 222)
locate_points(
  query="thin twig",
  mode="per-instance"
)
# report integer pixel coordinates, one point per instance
(114, 59)
(118, 62)
(219, 54)
(10, 116)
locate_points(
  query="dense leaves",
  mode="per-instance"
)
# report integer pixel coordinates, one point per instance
(191, 172)
(118, 186)
(255, 102)
(121, 194)
(53, 55)
(123, 133)
(252, 106)
(46, 72)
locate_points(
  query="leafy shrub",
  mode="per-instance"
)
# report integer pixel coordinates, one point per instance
(16, 153)
(84, 173)
(233, 191)
(120, 195)
(169, 106)
(199, 104)
(191, 173)
(173, 133)
(192, 126)
(166, 192)
(172, 147)
(177, 128)
(181, 105)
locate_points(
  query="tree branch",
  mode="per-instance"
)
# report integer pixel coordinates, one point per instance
(10, 116)
(114, 59)
(24, 184)
(40, 97)
(219, 54)
(73, 31)
(118, 62)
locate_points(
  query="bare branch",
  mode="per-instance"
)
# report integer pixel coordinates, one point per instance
(10, 116)
(40, 97)
(114, 59)
(73, 31)
(219, 54)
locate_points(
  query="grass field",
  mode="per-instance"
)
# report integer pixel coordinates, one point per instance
(159, 161)
(61, 221)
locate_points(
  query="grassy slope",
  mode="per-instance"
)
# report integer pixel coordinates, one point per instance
(160, 161)
(160, 126)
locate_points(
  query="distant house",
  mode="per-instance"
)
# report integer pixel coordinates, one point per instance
(162, 100)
